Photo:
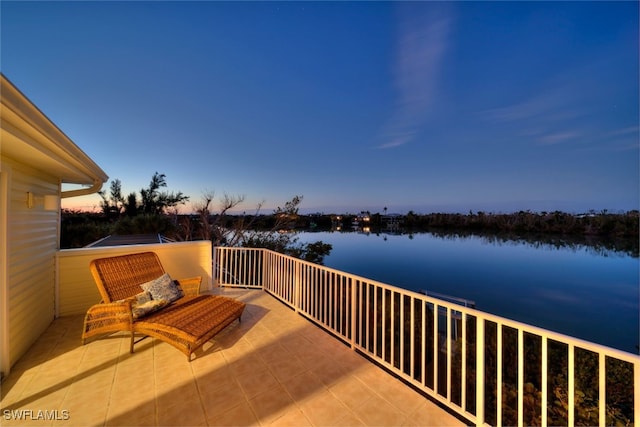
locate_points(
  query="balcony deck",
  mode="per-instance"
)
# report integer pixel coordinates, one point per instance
(274, 368)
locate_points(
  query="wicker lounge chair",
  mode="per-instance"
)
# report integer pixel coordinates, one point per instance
(186, 323)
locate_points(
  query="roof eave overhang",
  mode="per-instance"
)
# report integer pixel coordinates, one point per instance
(29, 136)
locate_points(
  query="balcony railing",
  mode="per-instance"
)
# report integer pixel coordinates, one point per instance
(488, 369)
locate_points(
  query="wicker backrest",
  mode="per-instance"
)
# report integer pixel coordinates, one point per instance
(120, 277)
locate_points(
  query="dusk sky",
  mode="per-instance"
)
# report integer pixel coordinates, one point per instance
(424, 106)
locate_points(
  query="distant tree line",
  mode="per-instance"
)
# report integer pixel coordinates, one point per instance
(156, 212)
(602, 224)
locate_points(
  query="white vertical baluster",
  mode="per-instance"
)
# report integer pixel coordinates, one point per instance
(544, 380)
(436, 346)
(602, 389)
(463, 374)
(571, 385)
(448, 336)
(412, 337)
(520, 377)
(499, 331)
(480, 345)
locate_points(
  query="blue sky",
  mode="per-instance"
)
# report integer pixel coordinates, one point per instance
(424, 106)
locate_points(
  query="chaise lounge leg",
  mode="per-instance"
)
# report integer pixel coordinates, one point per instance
(132, 340)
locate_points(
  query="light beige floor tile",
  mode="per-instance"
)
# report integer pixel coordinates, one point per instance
(48, 400)
(221, 400)
(255, 383)
(402, 396)
(378, 412)
(238, 351)
(181, 415)
(287, 368)
(351, 392)
(247, 365)
(304, 387)
(323, 409)
(294, 417)
(211, 363)
(218, 379)
(374, 377)
(177, 394)
(330, 372)
(273, 351)
(349, 420)
(429, 414)
(131, 413)
(258, 336)
(13, 387)
(271, 405)
(239, 415)
(89, 380)
(170, 374)
(85, 414)
(132, 420)
(82, 397)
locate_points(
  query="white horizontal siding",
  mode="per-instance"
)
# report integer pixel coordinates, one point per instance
(77, 291)
(31, 247)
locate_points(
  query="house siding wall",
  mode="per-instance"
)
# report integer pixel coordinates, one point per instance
(77, 290)
(31, 248)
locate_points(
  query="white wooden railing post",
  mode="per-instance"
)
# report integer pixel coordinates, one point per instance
(636, 392)
(544, 391)
(499, 344)
(571, 369)
(602, 397)
(520, 378)
(463, 374)
(480, 371)
(296, 286)
(353, 314)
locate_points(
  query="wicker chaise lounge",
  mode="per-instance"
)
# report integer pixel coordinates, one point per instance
(186, 323)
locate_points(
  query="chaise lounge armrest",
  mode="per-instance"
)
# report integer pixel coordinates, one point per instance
(107, 318)
(190, 286)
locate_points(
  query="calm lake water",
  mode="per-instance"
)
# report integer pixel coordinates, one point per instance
(578, 291)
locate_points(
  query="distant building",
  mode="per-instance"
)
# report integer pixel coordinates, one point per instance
(392, 221)
(131, 239)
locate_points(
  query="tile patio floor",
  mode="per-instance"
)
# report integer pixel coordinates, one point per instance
(274, 368)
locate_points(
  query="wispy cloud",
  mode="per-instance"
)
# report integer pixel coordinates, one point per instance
(571, 108)
(632, 131)
(550, 117)
(552, 106)
(558, 137)
(624, 139)
(422, 44)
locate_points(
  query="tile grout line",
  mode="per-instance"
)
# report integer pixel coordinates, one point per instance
(113, 381)
(235, 379)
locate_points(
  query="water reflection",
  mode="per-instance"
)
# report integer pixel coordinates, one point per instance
(596, 245)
